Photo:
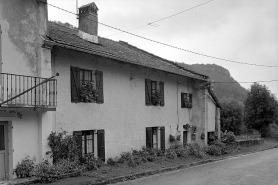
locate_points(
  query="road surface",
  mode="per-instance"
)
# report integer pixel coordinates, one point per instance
(255, 169)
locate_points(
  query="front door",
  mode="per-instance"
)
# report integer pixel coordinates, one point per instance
(185, 137)
(3, 151)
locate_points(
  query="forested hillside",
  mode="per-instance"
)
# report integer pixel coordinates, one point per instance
(218, 73)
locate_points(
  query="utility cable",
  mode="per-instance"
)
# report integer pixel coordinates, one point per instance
(151, 23)
(161, 43)
(248, 82)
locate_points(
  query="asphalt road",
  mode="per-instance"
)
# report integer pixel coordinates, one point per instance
(254, 169)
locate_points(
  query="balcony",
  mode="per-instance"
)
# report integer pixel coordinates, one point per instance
(27, 92)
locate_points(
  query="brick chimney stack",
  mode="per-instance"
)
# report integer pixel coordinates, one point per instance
(88, 19)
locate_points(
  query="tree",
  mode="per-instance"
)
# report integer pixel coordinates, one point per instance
(231, 116)
(261, 109)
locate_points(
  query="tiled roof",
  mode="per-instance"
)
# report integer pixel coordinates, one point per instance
(67, 37)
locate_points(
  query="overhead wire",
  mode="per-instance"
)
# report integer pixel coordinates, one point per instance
(161, 43)
(247, 82)
(151, 23)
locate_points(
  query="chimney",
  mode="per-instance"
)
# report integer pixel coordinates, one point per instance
(88, 22)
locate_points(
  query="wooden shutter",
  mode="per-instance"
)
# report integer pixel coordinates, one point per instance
(161, 85)
(78, 135)
(101, 144)
(75, 83)
(162, 138)
(149, 137)
(99, 85)
(182, 100)
(148, 91)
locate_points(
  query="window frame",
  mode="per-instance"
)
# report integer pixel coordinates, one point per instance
(151, 87)
(84, 134)
(150, 138)
(77, 76)
(186, 100)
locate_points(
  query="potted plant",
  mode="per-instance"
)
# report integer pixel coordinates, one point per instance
(203, 135)
(172, 138)
(194, 129)
(87, 92)
(186, 126)
(156, 98)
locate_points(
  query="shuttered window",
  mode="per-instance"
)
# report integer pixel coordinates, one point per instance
(152, 138)
(186, 100)
(152, 89)
(80, 77)
(101, 144)
(85, 141)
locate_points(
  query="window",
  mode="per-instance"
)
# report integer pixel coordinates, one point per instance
(86, 85)
(186, 100)
(153, 139)
(85, 142)
(154, 91)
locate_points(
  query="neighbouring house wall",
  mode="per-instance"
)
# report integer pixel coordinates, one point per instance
(123, 115)
(23, 137)
(23, 25)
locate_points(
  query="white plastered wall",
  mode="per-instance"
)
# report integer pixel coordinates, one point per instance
(123, 115)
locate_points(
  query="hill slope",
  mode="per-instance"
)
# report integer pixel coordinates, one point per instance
(219, 73)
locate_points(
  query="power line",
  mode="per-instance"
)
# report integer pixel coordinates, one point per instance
(248, 82)
(149, 24)
(161, 43)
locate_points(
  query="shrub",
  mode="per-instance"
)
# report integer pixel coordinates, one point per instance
(126, 156)
(63, 146)
(91, 163)
(182, 152)
(170, 154)
(196, 150)
(24, 168)
(48, 173)
(228, 138)
(213, 150)
(112, 161)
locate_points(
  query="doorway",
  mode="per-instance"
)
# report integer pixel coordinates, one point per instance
(185, 133)
(3, 150)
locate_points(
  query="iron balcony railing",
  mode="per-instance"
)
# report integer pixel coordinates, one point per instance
(27, 91)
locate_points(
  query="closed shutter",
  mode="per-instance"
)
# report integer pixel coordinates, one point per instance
(75, 84)
(99, 84)
(161, 84)
(149, 135)
(148, 91)
(182, 100)
(162, 138)
(101, 144)
(78, 135)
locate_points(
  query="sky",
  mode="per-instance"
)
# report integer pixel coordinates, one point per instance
(238, 30)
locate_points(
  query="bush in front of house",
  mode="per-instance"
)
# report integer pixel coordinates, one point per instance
(228, 137)
(63, 146)
(196, 150)
(47, 172)
(24, 168)
(90, 162)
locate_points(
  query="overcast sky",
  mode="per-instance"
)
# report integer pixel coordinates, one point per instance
(239, 30)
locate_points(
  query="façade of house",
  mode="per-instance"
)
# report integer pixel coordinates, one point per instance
(113, 96)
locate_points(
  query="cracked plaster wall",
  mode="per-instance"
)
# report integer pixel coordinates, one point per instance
(22, 23)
